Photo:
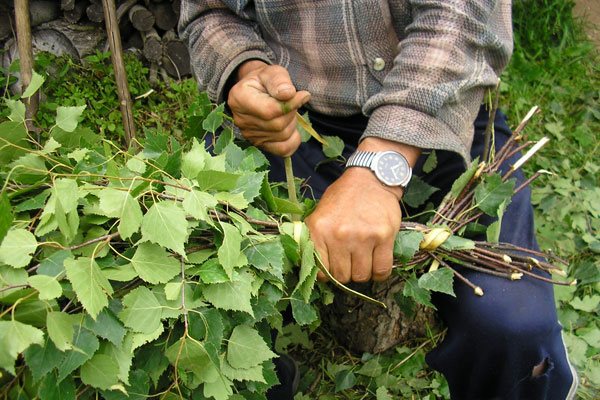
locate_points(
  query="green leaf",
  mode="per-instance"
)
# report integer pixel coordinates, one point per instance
(215, 119)
(15, 337)
(13, 138)
(194, 160)
(457, 243)
(308, 271)
(200, 256)
(220, 389)
(136, 163)
(17, 110)
(233, 295)
(304, 313)
(333, 147)
(50, 389)
(154, 265)
(33, 203)
(60, 329)
(236, 200)
(230, 254)
(492, 232)
(267, 256)
(47, 286)
(439, 280)
(212, 272)
(247, 348)
(36, 82)
(417, 192)
(85, 344)
(107, 326)
(6, 215)
(217, 180)
(142, 311)
(414, 291)
(197, 203)
(383, 394)
(461, 182)
(120, 204)
(430, 163)
(406, 245)
(100, 371)
(165, 225)
(254, 374)
(492, 192)
(89, 284)
(190, 355)
(344, 379)
(67, 117)
(41, 359)
(17, 248)
(587, 303)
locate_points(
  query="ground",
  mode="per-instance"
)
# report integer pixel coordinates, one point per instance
(589, 10)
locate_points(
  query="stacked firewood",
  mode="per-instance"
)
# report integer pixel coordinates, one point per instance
(76, 27)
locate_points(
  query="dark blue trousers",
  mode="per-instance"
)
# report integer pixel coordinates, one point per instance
(493, 342)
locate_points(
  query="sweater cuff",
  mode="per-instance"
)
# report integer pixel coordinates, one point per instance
(408, 126)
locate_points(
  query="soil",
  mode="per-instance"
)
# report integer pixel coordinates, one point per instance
(589, 11)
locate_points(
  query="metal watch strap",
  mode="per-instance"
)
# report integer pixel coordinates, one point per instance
(361, 159)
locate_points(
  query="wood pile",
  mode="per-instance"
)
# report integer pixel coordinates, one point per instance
(76, 27)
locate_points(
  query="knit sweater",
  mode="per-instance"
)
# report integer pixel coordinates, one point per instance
(418, 69)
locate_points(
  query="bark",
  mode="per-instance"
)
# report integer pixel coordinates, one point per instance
(26, 57)
(114, 39)
(368, 328)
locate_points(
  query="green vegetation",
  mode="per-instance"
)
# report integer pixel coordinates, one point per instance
(552, 67)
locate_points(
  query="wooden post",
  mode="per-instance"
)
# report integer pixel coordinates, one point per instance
(23, 26)
(114, 40)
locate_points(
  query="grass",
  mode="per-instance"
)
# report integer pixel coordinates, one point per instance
(553, 67)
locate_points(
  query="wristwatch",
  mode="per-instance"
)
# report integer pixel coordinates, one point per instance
(390, 167)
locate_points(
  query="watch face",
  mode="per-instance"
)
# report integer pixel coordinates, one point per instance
(392, 169)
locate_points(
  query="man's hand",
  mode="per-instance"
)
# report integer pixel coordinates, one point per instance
(354, 227)
(264, 103)
(356, 221)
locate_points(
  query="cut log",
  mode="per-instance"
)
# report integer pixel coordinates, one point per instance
(176, 56)
(94, 12)
(41, 11)
(165, 17)
(67, 5)
(152, 46)
(124, 8)
(77, 12)
(368, 328)
(141, 18)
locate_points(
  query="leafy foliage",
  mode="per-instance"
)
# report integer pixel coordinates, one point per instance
(108, 254)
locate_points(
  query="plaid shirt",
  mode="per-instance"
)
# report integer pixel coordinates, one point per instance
(418, 68)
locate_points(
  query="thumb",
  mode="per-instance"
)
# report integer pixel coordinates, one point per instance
(278, 83)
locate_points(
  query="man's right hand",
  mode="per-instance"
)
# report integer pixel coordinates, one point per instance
(264, 102)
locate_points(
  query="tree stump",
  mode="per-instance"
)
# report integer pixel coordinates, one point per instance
(363, 327)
